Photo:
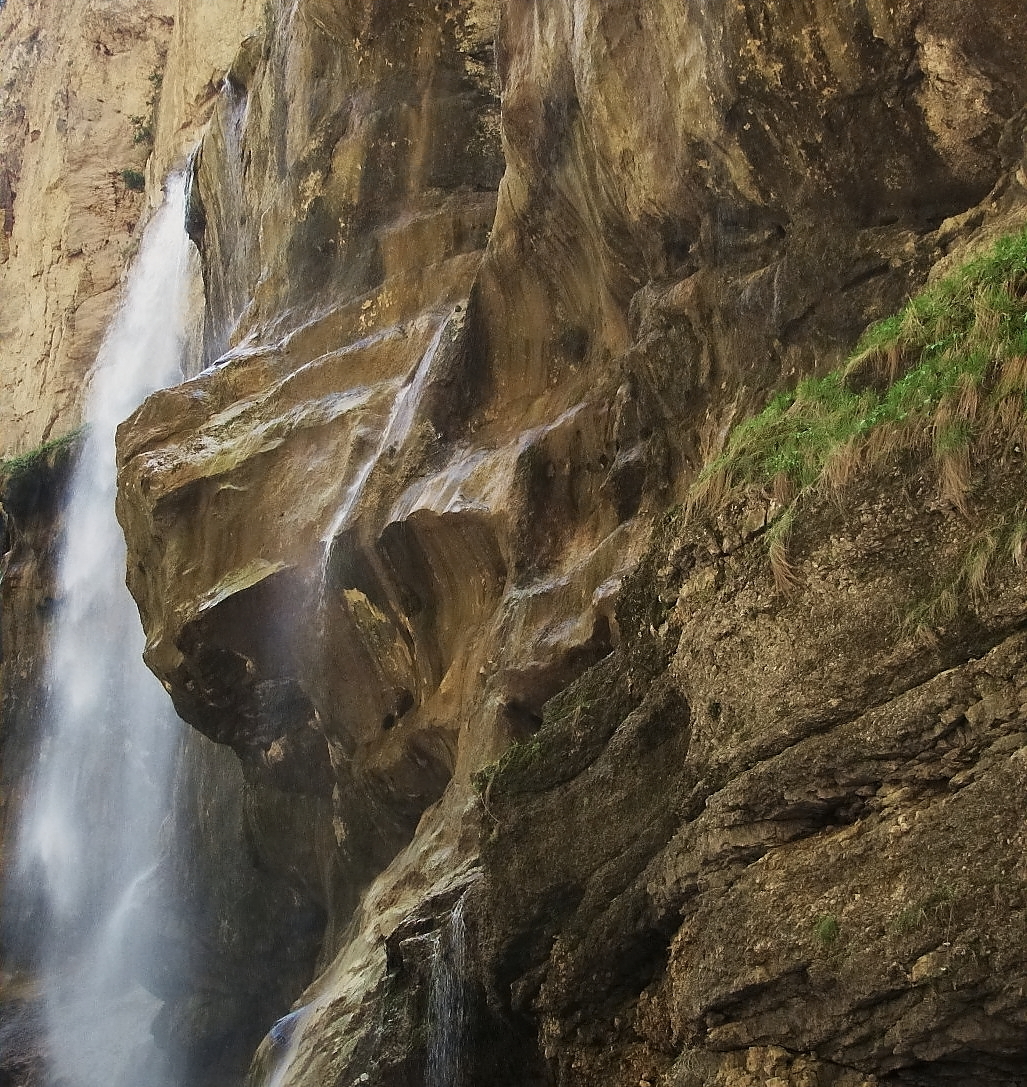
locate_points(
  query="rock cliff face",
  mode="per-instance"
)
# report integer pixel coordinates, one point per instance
(83, 90)
(581, 788)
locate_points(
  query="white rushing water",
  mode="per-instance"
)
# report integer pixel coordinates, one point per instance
(90, 832)
(447, 1003)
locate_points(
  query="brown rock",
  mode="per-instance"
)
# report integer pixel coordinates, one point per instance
(473, 317)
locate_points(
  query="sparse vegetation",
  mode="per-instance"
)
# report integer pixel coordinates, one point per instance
(936, 906)
(944, 380)
(481, 780)
(144, 127)
(142, 130)
(826, 929)
(133, 180)
(18, 468)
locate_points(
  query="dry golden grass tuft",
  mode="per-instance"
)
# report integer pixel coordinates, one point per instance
(944, 382)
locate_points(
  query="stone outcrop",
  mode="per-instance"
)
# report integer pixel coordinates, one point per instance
(797, 878)
(485, 285)
(84, 102)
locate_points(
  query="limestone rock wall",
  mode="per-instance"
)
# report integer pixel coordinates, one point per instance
(75, 74)
(484, 285)
(390, 530)
(84, 102)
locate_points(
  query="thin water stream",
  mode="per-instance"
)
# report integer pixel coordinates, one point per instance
(89, 839)
(395, 432)
(447, 1002)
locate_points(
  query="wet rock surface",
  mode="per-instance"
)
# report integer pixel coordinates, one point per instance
(484, 286)
(21, 1034)
(28, 512)
(30, 501)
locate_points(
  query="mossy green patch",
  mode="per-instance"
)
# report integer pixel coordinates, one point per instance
(948, 371)
(826, 929)
(17, 469)
(942, 385)
(31, 478)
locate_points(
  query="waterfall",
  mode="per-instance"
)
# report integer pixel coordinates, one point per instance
(284, 1038)
(395, 432)
(447, 1002)
(89, 837)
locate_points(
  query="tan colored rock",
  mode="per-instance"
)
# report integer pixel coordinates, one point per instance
(389, 529)
(78, 72)
(83, 103)
(205, 41)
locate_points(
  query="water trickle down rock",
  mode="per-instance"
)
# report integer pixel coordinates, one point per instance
(697, 205)
(447, 1004)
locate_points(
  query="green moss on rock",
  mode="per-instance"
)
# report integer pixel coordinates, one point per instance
(29, 479)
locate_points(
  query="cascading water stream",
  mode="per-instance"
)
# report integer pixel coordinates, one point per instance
(89, 838)
(447, 1003)
(396, 430)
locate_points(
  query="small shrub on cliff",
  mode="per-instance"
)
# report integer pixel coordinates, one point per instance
(945, 379)
(133, 180)
(142, 130)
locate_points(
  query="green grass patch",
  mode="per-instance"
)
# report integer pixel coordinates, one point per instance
(947, 372)
(944, 381)
(935, 907)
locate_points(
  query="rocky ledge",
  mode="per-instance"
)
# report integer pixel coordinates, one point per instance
(668, 808)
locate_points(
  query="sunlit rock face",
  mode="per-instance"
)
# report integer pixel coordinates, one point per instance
(483, 286)
(68, 216)
(91, 88)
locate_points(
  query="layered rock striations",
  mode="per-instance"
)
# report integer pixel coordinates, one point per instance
(485, 287)
(84, 105)
(75, 75)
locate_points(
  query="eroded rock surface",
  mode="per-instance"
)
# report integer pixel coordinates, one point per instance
(789, 863)
(483, 288)
(84, 106)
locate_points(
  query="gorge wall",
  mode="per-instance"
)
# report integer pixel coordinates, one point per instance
(485, 288)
